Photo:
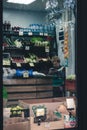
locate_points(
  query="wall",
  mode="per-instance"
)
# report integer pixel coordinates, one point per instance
(23, 18)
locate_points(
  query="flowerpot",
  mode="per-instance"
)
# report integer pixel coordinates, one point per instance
(70, 85)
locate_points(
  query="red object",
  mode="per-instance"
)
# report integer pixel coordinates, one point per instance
(70, 85)
(49, 38)
(5, 44)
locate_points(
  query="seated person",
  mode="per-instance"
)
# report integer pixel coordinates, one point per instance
(58, 73)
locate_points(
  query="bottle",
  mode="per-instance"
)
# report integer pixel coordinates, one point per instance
(5, 26)
(8, 26)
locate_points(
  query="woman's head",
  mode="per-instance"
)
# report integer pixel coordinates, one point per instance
(56, 61)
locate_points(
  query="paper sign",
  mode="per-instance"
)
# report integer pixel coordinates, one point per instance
(20, 33)
(25, 74)
(27, 48)
(30, 33)
(18, 64)
(46, 49)
(70, 103)
(31, 64)
(45, 34)
(41, 34)
(40, 112)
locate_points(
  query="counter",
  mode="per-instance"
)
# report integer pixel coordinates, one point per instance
(28, 88)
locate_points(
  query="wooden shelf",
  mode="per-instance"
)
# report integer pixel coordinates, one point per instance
(31, 88)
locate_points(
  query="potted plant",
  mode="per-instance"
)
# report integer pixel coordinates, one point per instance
(70, 82)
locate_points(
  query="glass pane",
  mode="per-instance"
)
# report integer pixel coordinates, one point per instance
(39, 41)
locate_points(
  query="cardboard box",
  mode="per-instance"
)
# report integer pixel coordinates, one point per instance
(45, 125)
(6, 112)
(16, 123)
(50, 103)
(53, 125)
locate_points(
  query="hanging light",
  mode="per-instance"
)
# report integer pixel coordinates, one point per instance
(21, 1)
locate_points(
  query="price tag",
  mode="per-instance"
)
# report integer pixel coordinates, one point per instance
(18, 64)
(41, 34)
(7, 62)
(45, 34)
(46, 49)
(20, 33)
(27, 48)
(30, 33)
(25, 74)
(70, 103)
(3, 48)
(31, 64)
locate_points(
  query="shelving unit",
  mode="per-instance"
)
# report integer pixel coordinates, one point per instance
(40, 49)
(33, 53)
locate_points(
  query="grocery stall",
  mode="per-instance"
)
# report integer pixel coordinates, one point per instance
(34, 33)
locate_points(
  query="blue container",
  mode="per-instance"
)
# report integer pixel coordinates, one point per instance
(19, 73)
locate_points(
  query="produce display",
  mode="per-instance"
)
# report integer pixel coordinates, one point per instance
(38, 41)
(18, 43)
(17, 111)
(12, 42)
(27, 51)
(8, 41)
(17, 59)
(31, 58)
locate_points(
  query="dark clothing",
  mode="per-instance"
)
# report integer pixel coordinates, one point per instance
(57, 92)
(58, 81)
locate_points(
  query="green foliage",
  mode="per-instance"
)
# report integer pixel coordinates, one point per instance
(5, 95)
(71, 77)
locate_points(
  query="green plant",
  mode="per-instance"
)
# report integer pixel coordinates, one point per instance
(71, 77)
(5, 95)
